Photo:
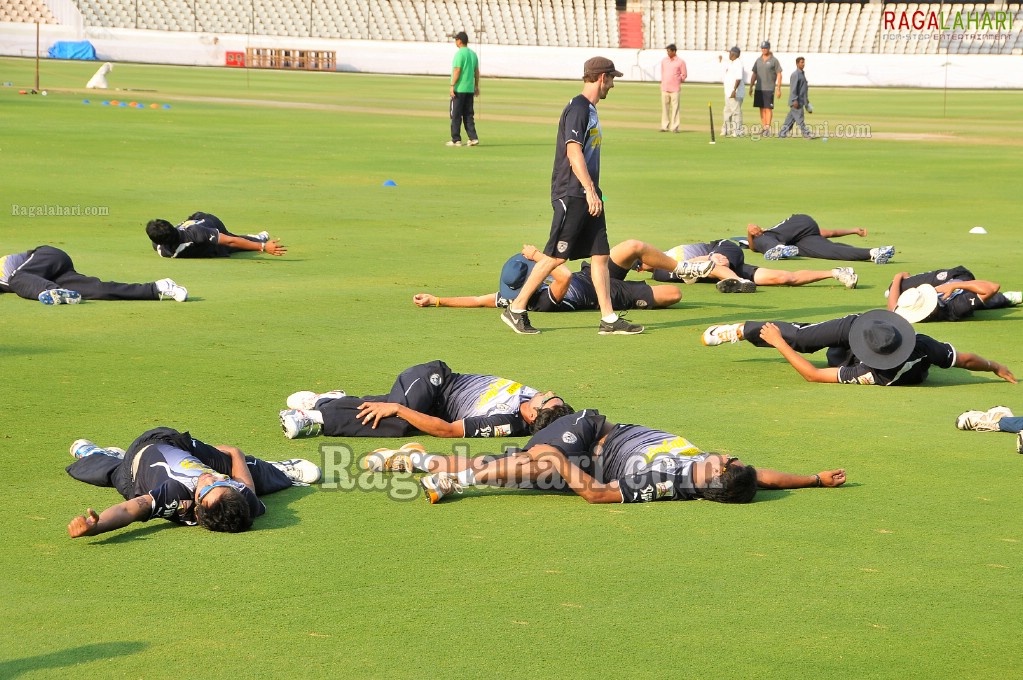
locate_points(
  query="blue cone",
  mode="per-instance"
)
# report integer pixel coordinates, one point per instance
(390, 183)
(85, 101)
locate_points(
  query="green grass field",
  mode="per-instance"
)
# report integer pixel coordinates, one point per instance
(910, 570)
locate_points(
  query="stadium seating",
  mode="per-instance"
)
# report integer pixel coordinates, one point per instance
(805, 27)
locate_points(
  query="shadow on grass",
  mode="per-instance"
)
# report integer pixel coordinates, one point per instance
(69, 657)
(139, 534)
(278, 513)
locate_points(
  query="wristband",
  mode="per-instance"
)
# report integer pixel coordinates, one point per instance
(437, 304)
(818, 478)
(262, 247)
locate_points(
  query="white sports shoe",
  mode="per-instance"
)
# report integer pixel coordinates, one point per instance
(690, 271)
(301, 472)
(846, 276)
(306, 399)
(81, 448)
(296, 423)
(167, 288)
(1014, 296)
(262, 236)
(982, 421)
(882, 254)
(1019, 443)
(718, 335)
(391, 460)
(439, 485)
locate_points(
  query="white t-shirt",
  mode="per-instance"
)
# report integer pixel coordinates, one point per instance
(734, 71)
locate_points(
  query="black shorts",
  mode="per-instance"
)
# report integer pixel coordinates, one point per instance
(763, 99)
(575, 234)
(624, 294)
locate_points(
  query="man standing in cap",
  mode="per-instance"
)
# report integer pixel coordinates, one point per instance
(579, 228)
(673, 74)
(735, 90)
(875, 348)
(766, 80)
(465, 84)
(945, 295)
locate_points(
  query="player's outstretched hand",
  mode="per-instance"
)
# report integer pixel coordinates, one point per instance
(861, 232)
(1005, 374)
(375, 410)
(832, 477)
(424, 300)
(83, 525)
(275, 247)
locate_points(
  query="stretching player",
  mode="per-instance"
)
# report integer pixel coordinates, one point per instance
(567, 291)
(733, 275)
(946, 295)
(204, 235)
(878, 347)
(800, 235)
(429, 398)
(168, 474)
(605, 462)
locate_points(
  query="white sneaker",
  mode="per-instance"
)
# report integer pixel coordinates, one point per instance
(474, 142)
(301, 472)
(167, 288)
(451, 143)
(690, 271)
(306, 400)
(718, 335)
(1019, 443)
(81, 448)
(882, 255)
(846, 276)
(296, 423)
(262, 236)
(390, 460)
(982, 421)
(439, 485)
(1014, 296)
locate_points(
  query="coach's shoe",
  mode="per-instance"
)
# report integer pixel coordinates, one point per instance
(390, 460)
(1014, 297)
(736, 286)
(60, 296)
(301, 472)
(453, 143)
(518, 322)
(1019, 443)
(296, 423)
(882, 255)
(780, 252)
(306, 400)
(473, 142)
(619, 327)
(689, 272)
(439, 485)
(718, 335)
(81, 448)
(982, 421)
(846, 276)
(167, 288)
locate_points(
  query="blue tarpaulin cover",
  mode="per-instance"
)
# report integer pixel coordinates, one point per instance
(73, 50)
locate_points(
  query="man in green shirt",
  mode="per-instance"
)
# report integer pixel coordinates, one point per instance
(465, 84)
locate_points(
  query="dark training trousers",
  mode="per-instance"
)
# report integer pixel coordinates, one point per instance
(802, 231)
(462, 112)
(48, 268)
(420, 388)
(808, 338)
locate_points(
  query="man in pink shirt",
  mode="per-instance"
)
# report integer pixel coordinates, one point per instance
(673, 74)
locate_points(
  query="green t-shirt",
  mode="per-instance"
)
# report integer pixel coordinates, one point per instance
(466, 60)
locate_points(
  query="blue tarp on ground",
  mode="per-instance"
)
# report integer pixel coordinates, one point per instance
(73, 50)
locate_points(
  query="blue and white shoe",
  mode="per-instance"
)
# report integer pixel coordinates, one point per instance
(882, 255)
(780, 252)
(262, 236)
(83, 447)
(167, 288)
(60, 296)
(297, 423)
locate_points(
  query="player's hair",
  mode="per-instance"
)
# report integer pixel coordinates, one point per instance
(229, 513)
(546, 416)
(162, 233)
(738, 485)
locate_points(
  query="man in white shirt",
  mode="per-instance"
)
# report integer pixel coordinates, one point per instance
(735, 79)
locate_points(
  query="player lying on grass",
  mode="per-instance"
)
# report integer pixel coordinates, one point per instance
(800, 235)
(47, 274)
(168, 474)
(428, 398)
(567, 291)
(204, 235)
(995, 419)
(875, 348)
(732, 275)
(604, 462)
(945, 295)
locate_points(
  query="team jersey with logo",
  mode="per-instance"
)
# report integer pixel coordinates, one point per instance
(10, 264)
(913, 371)
(197, 240)
(170, 475)
(488, 406)
(578, 125)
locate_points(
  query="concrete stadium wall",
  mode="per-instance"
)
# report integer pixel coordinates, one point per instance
(364, 56)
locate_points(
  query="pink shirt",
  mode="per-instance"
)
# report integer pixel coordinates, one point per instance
(673, 74)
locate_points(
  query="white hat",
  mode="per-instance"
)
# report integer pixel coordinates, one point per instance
(916, 304)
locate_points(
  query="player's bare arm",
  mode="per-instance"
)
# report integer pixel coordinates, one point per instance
(975, 362)
(773, 479)
(574, 151)
(771, 334)
(239, 468)
(373, 411)
(273, 246)
(467, 301)
(114, 517)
